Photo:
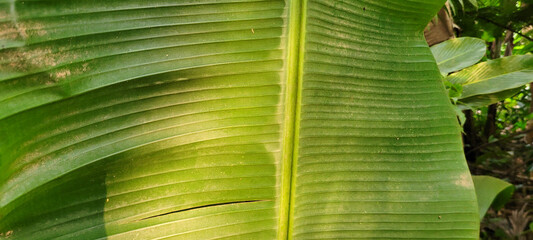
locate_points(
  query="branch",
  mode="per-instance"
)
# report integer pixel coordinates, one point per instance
(495, 172)
(508, 137)
(506, 27)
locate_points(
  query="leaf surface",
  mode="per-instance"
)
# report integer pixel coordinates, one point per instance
(458, 53)
(495, 76)
(226, 119)
(491, 192)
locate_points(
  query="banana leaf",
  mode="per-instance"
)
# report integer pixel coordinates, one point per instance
(458, 53)
(494, 80)
(491, 192)
(227, 119)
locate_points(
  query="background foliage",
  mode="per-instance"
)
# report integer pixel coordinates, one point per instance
(498, 137)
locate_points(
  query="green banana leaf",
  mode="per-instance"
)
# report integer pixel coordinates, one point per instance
(458, 7)
(458, 53)
(478, 101)
(495, 78)
(227, 119)
(493, 192)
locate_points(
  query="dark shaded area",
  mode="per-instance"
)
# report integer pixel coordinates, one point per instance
(72, 205)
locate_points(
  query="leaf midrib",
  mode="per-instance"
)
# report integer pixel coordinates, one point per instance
(296, 32)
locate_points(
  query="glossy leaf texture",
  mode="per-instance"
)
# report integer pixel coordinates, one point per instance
(227, 119)
(492, 192)
(458, 53)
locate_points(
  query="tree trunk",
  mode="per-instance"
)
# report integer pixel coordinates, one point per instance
(470, 137)
(490, 124)
(509, 41)
(529, 136)
(492, 112)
